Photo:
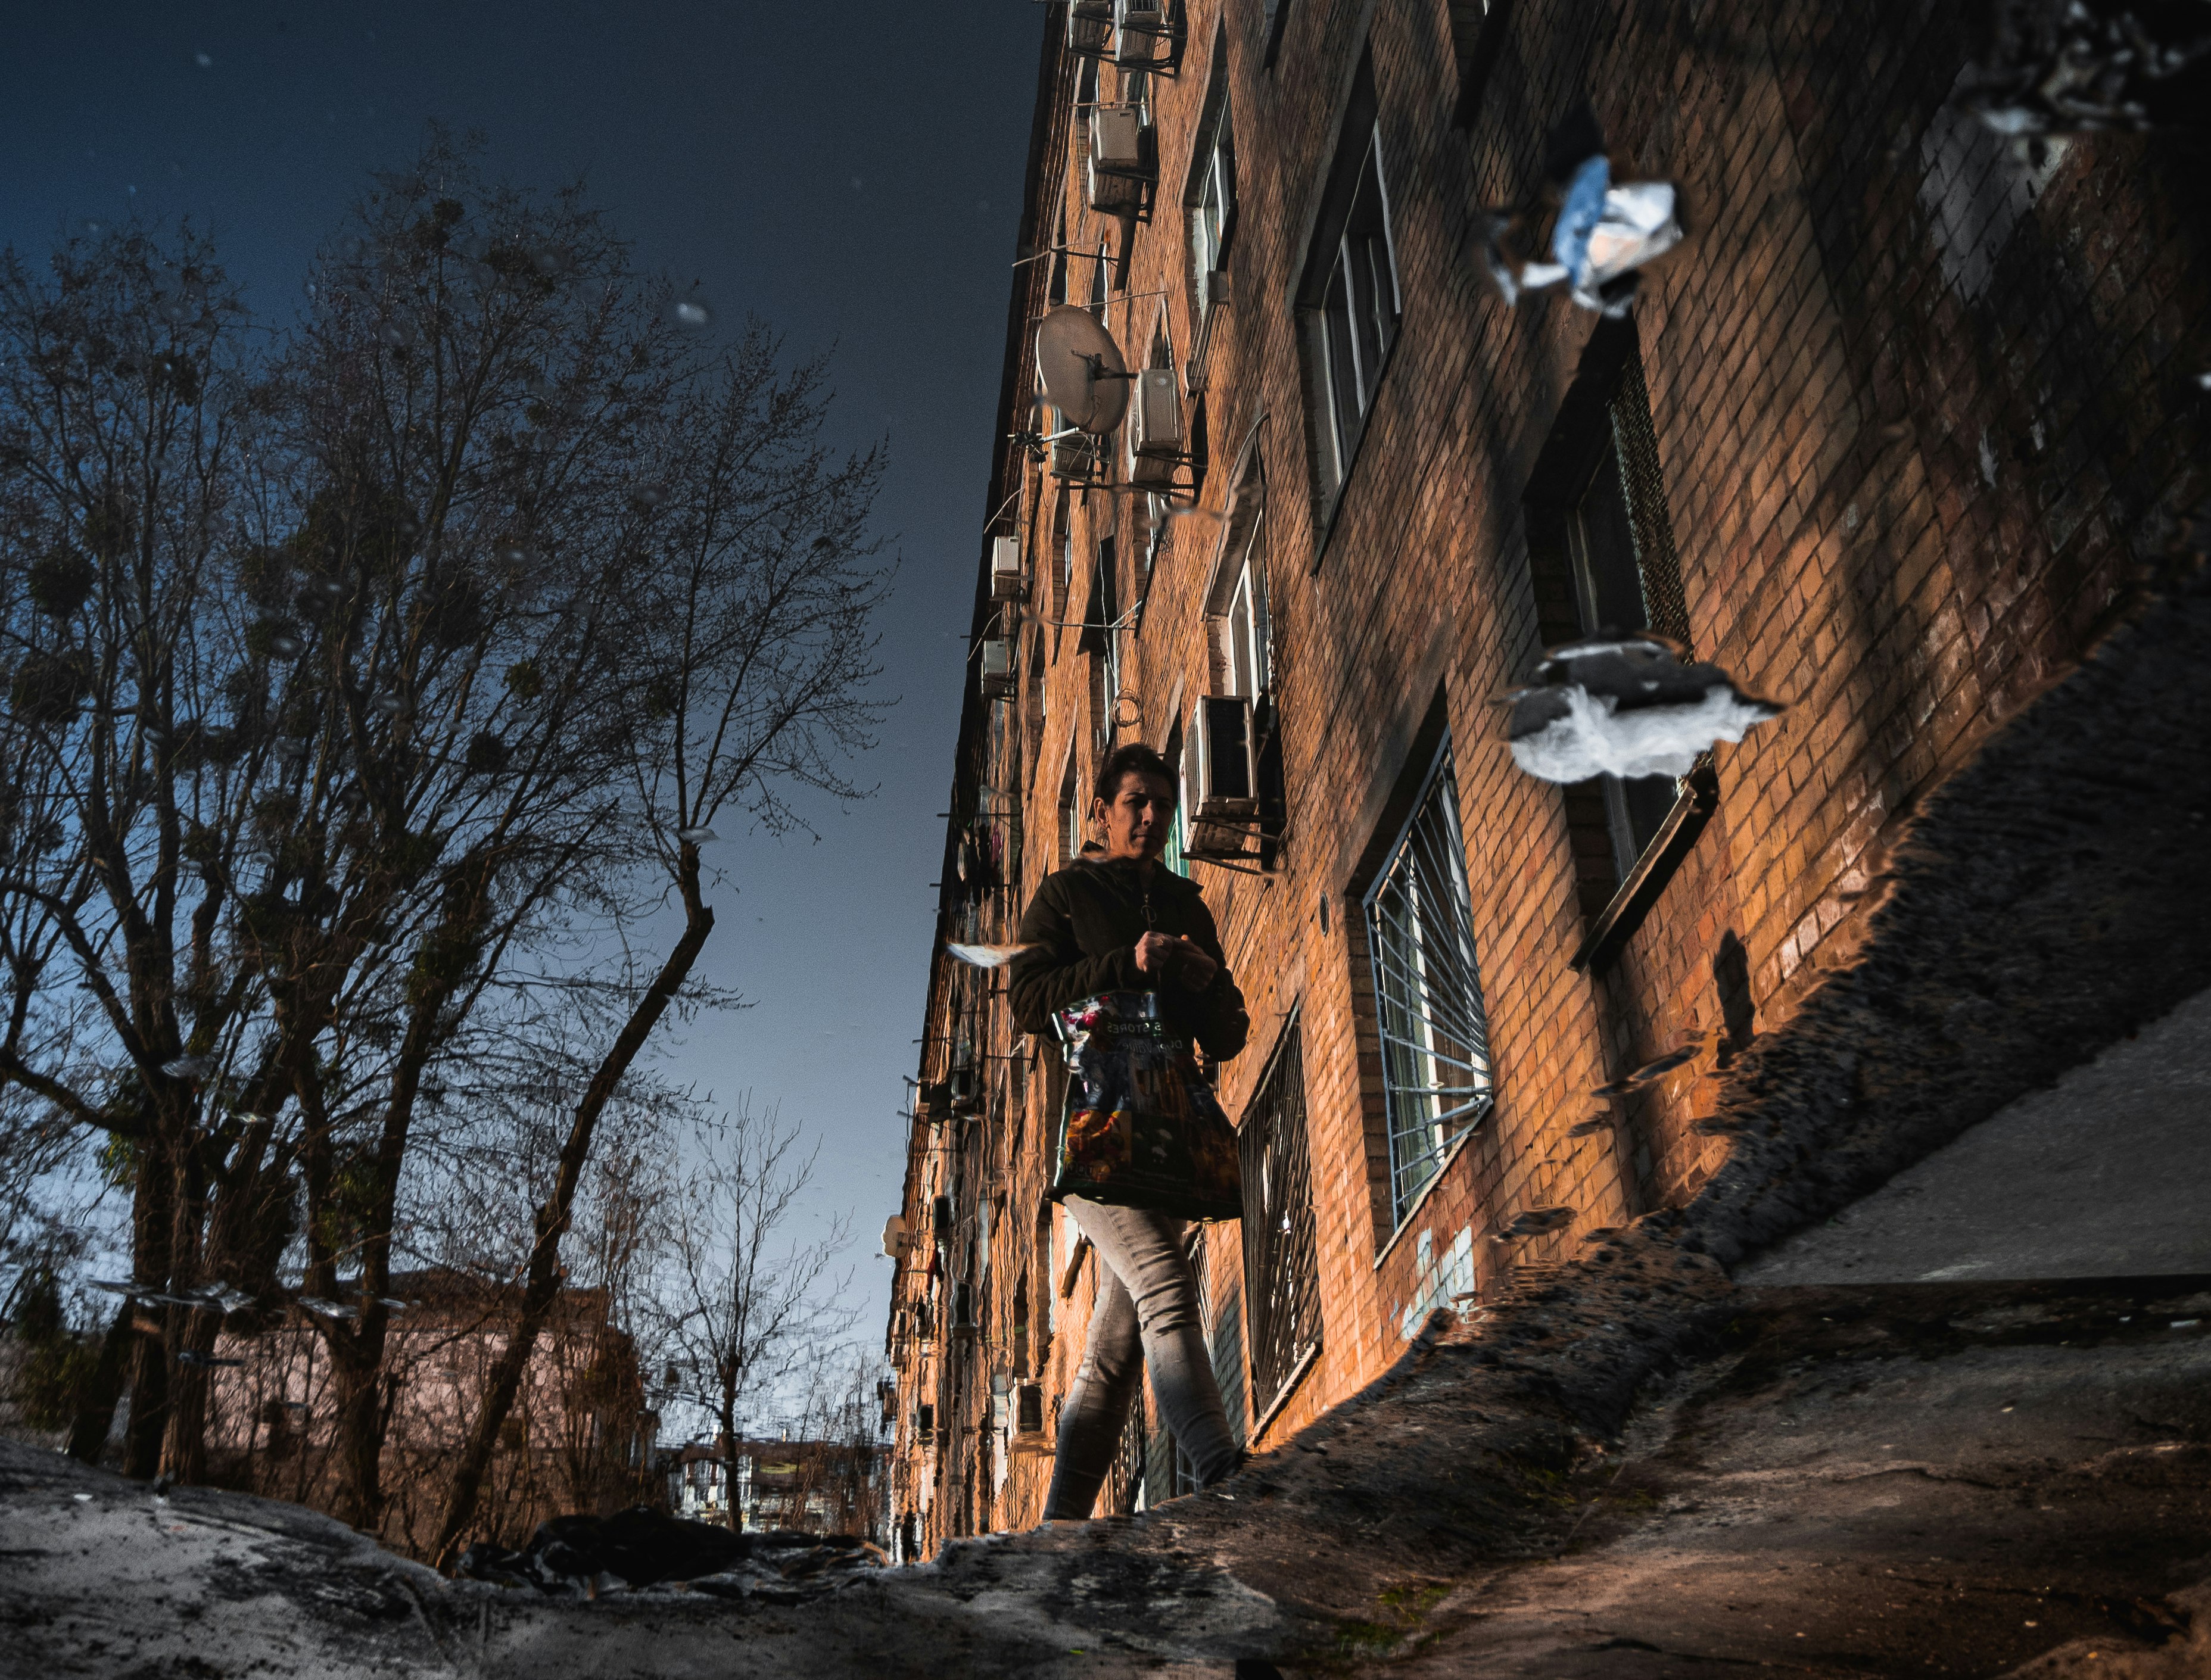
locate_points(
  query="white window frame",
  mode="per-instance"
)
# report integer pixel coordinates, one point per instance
(1347, 411)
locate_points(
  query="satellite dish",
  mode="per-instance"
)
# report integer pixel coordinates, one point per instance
(1082, 370)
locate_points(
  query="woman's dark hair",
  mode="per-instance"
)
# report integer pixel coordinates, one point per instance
(1139, 758)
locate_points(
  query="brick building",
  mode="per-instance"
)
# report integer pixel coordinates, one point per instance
(1887, 437)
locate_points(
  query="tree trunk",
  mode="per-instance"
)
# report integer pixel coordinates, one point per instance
(728, 1444)
(184, 1435)
(150, 1355)
(96, 1415)
(357, 1434)
(544, 1276)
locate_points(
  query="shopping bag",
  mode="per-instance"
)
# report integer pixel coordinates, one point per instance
(1140, 1127)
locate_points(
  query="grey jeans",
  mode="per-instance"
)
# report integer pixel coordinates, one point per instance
(1146, 1313)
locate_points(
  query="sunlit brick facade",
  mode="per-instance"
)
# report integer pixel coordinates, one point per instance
(1887, 437)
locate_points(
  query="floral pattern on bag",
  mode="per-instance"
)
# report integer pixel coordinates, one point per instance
(1140, 1127)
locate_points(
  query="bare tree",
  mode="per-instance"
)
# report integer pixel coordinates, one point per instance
(356, 700)
(752, 1307)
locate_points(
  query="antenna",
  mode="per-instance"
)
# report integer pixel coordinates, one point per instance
(1082, 370)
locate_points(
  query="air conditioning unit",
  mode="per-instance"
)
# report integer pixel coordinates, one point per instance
(1155, 439)
(1123, 162)
(1141, 30)
(1088, 23)
(1006, 568)
(894, 1237)
(1225, 790)
(1075, 459)
(997, 668)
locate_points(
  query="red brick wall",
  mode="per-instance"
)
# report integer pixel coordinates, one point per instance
(1908, 464)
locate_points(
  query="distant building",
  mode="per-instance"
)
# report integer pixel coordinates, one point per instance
(822, 1487)
(580, 1437)
(1886, 437)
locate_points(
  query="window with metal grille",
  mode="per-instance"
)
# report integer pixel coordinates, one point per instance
(1626, 576)
(1282, 1261)
(1427, 989)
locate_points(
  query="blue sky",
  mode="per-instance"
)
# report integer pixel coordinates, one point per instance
(848, 172)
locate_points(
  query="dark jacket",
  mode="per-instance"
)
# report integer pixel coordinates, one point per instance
(1085, 921)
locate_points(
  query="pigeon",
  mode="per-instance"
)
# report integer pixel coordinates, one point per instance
(1535, 1221)
(1602, 235)
(113, 1285)
(986, 956)
(315, 1303)
(189, 1068)
(218, 1297)
(204, 1361)
(1625, 705)
(697, 837)
(1590, 1129)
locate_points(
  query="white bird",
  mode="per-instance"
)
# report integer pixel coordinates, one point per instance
(1625, 706)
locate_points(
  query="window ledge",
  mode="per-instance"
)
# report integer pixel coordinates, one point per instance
(1298, 1372)
(1451, 1152)
(1699, 797)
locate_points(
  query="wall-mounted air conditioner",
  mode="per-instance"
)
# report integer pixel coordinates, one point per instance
(894, 1237)
(1073, 459)
(1155, 437)
(1123, 168)
(997, 668)
(1140, 37)
(1006, 568)
(1088, 23)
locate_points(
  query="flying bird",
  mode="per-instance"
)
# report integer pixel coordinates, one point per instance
(1626, 705)
(986, 956)
(1535, 1221)
(1603, 234)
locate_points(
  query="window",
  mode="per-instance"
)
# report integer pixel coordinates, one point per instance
(1070, 809)
(1349, 295)
(1212, 205)
(1173, 856)
(1626, 576)
(1057, 293)
(1101, 640)
(1281, 1260)
(1427, 990)
(1098, 291)
(1063, 533)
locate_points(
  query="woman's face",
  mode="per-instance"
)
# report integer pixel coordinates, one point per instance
(1140, 817)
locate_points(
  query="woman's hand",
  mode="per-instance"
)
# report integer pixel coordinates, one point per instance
(1165, 956)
